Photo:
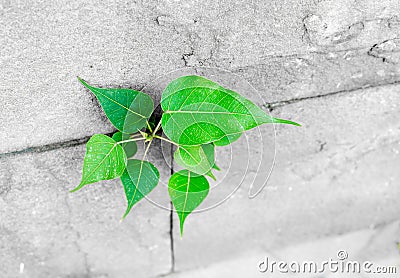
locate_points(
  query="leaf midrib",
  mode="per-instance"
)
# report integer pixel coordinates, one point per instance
(198, 162)
(186, 195)
(137, 184)
(110, 99)
(101, 162)
(210, 112)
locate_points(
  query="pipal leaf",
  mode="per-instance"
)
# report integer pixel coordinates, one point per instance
(104, 160)
(127, 109)
(139, 179)
(130, 148)
(198, 111)
(197, 159)
(187, 190)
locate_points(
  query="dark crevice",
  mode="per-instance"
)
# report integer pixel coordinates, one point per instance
(272, 105)
(171, 219)
(50, 147)
(306, 53)
(171, 237)
(171, 224)
(374, 51)
(186, 56)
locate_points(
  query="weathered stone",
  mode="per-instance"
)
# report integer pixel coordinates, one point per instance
(54, 233)
(295, 49)
(337, 173)
(46, 44)
(279, 79)
(375, 245)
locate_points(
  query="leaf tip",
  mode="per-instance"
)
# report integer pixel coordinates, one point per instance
(76, 188)
(283, 121)
(125, 214)
(181, 228)
(216, 167)
(83, 82)
(80, 79)
(211, 175)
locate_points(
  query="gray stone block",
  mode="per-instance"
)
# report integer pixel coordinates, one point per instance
(336, 173)
(47, 44)
(287, 50)
(374, 245)
(48, 232)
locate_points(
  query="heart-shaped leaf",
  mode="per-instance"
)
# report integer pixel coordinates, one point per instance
(139, 179)
(197, 159)
(198, 111)
(127, 109)
(130, 148)
(104, 160)
(187, 190)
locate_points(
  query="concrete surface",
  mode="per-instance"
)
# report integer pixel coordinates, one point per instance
(332, 65)
(376, 245)
(54, 233)
(289, 48)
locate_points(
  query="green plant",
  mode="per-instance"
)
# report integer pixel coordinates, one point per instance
(198, 115)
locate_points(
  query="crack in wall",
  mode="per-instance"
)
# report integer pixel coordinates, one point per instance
(387, 50)
(171, 224)
(307, 53)
(201, 47)
(272, 105)
(80, 141)
(171, 218)
(269, 105)
(50, 147)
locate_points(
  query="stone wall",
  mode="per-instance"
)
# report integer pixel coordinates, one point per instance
(332, 65)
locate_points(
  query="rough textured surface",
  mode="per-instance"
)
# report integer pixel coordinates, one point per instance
(374, 245)
(54, 233)
(47, 44)
(288, 49)
(325, 63)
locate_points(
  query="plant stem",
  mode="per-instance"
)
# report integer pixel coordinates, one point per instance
(157, 128)
(131, 140)
(136, 135)
(147, 149)
(166, 140)
(149, 127)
